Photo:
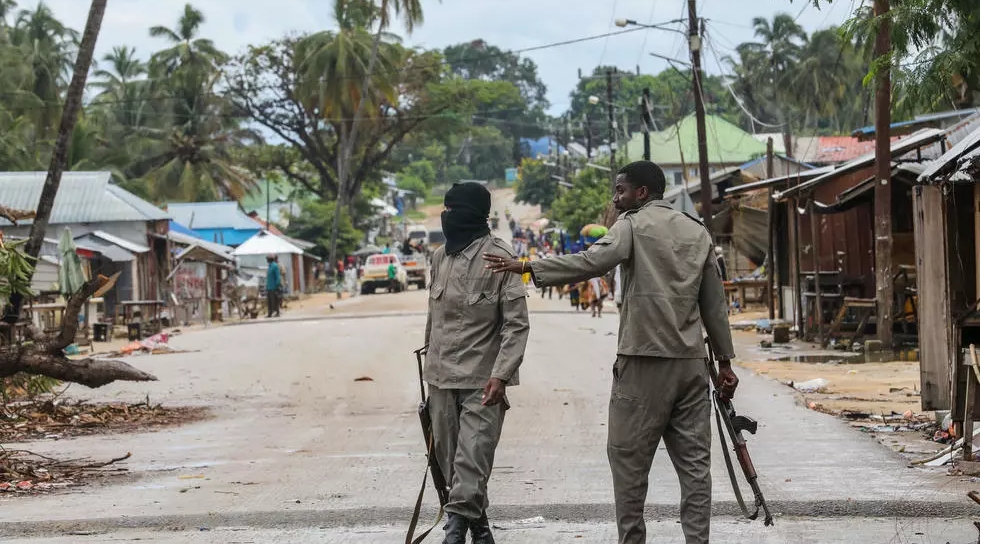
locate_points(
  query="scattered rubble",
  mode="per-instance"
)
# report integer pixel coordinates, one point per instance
(56, 418)
(25, 472)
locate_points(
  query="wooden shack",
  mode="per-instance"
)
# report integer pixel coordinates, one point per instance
(946, 227)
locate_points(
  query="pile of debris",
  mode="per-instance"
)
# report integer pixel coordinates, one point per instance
(56, 418)
(22, 471)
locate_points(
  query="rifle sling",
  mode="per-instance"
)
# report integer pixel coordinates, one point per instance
(419, 504)
(729, 462)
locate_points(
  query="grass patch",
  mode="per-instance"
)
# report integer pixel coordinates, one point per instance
(415, 215)
(433, 200)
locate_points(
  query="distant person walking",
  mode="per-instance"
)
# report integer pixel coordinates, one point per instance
(274, 284)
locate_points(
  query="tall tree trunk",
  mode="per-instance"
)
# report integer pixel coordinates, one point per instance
(73, 103)
(44, 354)
(348, 146)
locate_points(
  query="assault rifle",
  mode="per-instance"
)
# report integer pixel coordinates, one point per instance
(727, 417)
(433, 466)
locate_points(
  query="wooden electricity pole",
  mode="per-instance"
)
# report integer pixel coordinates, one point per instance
(883, 222)
(695, 47)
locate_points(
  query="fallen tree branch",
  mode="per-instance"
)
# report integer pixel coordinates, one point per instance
(105, 464)
(35, 359)
(73, 307)
(15, 215)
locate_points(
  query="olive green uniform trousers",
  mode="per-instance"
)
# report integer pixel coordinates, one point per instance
(654, 399)
(465, 435)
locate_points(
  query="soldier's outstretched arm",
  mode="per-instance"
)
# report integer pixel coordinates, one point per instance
(602, 257)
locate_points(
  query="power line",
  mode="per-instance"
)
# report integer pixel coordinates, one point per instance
(613, 12)
(651, 19)
(442, 63)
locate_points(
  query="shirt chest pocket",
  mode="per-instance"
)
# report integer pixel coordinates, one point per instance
(436, 291)
(482, 306)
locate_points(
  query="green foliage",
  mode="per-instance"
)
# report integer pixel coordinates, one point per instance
(535, 184)
(25, 386)
(584, 203)
(16, 270)
(421, 170)
(314, 223)
(412, 183)
(934, 62)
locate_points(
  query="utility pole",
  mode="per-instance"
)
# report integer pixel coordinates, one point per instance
(612, 126)
(771, 222)
(695, 47)
(267, 202)
(589, 136)
(883, 222)
(568, 137)
(646, 121)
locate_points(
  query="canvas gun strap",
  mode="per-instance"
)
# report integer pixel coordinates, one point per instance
(729, 462)
(419, 504)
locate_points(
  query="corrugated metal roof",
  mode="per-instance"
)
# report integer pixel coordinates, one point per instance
(189, 241)
(125, 244)
(108, 249)
(949, 161)
(898, 148)
(211, 215)
(83, 197)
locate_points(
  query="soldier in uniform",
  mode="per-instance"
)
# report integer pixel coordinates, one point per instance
(476, 330)
(671, 289)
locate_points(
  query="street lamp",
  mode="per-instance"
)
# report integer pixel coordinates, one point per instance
(593, 100)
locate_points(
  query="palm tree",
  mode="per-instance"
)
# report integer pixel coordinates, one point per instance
(413, 15)
(195, 161)
(48, 46)
(769, 67)
(187, 50)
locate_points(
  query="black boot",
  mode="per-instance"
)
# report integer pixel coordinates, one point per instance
(456, 529)
(481, 530)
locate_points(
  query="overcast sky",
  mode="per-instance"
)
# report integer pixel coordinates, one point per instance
(508, 24)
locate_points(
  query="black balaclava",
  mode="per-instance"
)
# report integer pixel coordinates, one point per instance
(466, 217)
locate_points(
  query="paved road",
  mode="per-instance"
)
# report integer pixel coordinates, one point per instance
(299, 451)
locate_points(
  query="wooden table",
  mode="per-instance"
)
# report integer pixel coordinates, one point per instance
(148, 311)
(739, 288)
(47, 317)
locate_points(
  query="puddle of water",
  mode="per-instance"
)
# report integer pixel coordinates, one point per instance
(852, 358)
(826, 359)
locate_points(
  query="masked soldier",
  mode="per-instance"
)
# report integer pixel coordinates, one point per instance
(660, 389)
(476, 330)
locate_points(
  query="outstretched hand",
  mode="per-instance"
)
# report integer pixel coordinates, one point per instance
(497, 263)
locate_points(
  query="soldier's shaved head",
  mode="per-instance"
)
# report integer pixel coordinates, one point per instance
(645, 174)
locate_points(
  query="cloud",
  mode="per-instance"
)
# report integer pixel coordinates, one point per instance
(508, 24)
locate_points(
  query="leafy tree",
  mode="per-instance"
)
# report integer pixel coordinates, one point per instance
(584, 203)
(514, 99)
(314, 222)
(935, 51)
(409, 182)
(535, 184)
(423, 171)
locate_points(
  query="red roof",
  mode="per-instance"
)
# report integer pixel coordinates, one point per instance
(838, 149)
(272, 228)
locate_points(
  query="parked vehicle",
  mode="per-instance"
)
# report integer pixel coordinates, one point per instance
(417, 268)
(435, 239)
(417, 234)
(375, 274)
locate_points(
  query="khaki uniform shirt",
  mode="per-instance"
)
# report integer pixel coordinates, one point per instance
(670, 281)
(478, 323)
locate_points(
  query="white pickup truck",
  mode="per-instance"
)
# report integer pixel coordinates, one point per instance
(375, 274)
(417, 268)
